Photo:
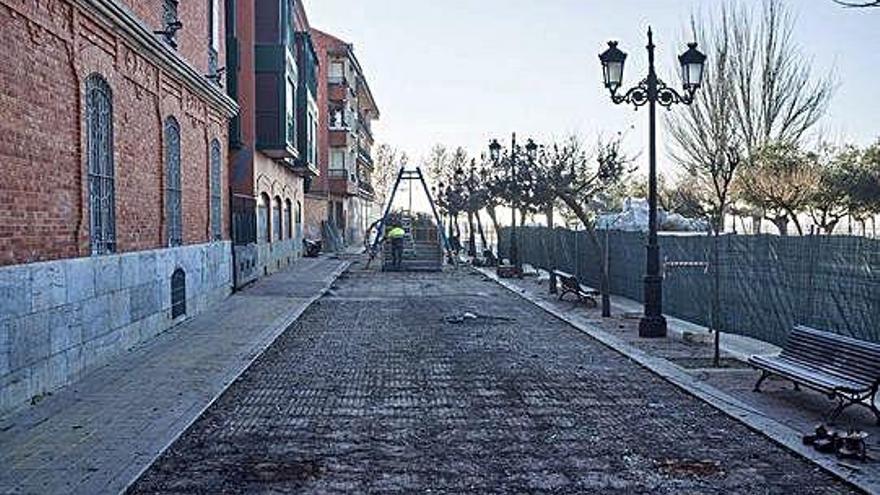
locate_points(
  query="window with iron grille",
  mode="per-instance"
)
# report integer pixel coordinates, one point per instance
(178, 293)
(171, 21)
(276, 219)
(288, 218)
(99, 152)
(173, 186)
(263, 218)
(216, 193)
(213, 38)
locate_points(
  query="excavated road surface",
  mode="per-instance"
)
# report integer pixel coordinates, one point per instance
(382, 388)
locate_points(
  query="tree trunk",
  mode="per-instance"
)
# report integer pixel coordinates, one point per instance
(552, 255)
(797, 223)
(604, 279)
(472, 241)
(756, 224)
(781, 223)
(480, 230)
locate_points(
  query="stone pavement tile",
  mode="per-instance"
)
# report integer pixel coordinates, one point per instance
(360, 397)
(96, 435)
(797, 412)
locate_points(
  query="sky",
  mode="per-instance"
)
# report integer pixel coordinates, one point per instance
(460, 72)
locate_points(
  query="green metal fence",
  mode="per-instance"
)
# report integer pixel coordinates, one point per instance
(767, 283)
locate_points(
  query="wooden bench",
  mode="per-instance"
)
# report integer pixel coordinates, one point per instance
(841, 367)
(571, 285)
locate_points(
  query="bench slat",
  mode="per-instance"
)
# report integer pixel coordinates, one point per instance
(805, 374)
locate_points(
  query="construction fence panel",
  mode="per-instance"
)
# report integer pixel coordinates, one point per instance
(766, 283)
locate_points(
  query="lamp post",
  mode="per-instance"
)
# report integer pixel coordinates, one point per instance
(495, 155)
(652, 91)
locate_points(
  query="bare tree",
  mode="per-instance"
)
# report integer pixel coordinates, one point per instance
(438, 163)
(781, 180)
(863, 184)
(387, 162)
(827, 204)
(577, 182)
(776, 98)
(706, 136)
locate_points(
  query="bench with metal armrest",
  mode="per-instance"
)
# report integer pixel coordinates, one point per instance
(571, 285)
(844, 368)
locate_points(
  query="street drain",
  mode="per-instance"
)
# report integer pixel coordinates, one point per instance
(690, 467)
(274, 471)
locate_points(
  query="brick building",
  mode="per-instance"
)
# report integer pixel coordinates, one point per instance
(113, 203)
(340, 202)
(271, 73)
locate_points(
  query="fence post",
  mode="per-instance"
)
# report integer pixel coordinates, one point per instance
(716, 297)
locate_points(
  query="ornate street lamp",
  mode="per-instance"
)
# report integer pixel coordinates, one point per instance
(495, 155)
(652, 91)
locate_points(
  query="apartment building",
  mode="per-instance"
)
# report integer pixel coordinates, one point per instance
(340, 203)
(272, 74)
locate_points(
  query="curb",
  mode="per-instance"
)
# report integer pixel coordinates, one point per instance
(757, 421)
(280, 326)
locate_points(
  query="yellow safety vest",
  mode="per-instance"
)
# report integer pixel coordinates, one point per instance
(396, 233)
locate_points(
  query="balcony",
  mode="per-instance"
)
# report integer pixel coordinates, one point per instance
(366, 191)
(364, 157)
(338, 137)
(341, 182)
(337, 92)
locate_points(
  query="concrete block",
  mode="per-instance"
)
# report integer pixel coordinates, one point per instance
(75, 364)
(4, 349)
(15, 291)
(144, 300)
(130, 271)
(95, 317)
(39, 379)
(14, 389)
(107, 274)
(48, 285)
(58, 370)
(80, 279)
(28, 339)
(120, 308)
(148, 267)
(129, 335)
(65, 327)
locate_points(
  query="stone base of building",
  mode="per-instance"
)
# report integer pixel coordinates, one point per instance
(61, 319)
(278, 255)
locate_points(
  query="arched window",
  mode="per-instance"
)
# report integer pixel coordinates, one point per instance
(178, 293)
(173, 185)
(99, 153)
(276, 219)
(288, 219)
(263, 218)
(298, 219)
(216, 193)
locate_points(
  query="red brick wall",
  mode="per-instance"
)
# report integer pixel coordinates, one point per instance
(43, 195)
(192, 40)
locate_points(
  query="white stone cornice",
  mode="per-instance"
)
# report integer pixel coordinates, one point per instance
(126, 24)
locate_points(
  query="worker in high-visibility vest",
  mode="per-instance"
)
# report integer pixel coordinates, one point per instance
(396, 234)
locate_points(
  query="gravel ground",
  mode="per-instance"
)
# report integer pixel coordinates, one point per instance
(375, 390)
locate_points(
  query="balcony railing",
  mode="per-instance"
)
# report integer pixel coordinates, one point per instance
(364, 155)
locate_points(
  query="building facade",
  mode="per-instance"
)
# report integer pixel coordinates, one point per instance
(340, 202)
(270, 73)
(113, 204)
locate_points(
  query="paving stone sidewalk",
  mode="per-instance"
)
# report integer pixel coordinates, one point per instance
(97, 435)
(382, 387)
(791, 412)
